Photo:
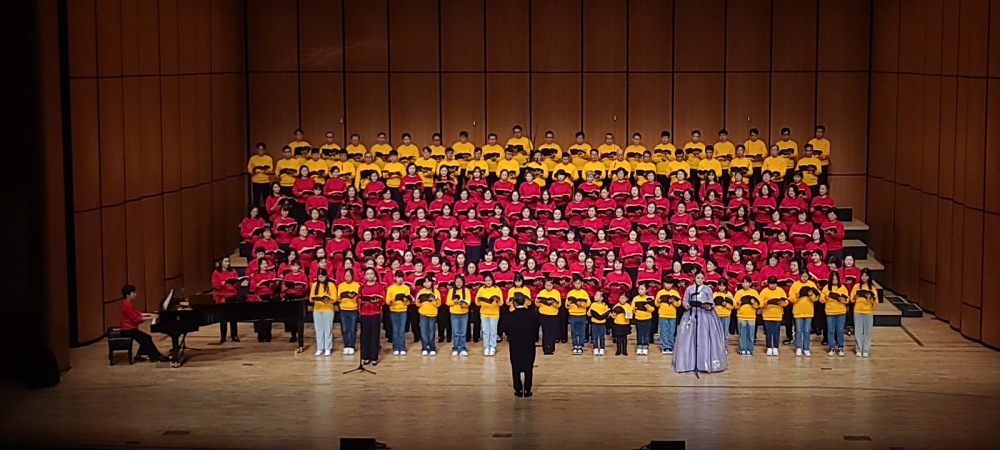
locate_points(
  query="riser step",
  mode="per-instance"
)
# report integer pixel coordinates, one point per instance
(845, 213)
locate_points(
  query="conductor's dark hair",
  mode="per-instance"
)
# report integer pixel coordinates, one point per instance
(127, 290)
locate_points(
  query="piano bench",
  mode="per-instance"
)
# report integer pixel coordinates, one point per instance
(117, 342)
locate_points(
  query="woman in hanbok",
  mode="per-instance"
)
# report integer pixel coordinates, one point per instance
(701, 342)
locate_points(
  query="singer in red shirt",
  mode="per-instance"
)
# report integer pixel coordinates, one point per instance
(224, 281)
(372, 298)
(130, 320)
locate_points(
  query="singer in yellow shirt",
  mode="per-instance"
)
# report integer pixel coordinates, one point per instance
(287, 169)
(821, 145)
(598, 313)
(747, 303)
(489, 298)
(551, 151)
(785, 144)
(695, 149)
(643, 305)
(492, 153)
(580, 151)
(463, 149)
(380, 150)
(775, 164)
(459, 300)
(608, 150)
(549, 301)
(865, 297)
(635, 150)
(398, 297)
(329, 148)
(261, 169)
(803, 294)
(519, 140)
(667, 302)
(596, 166)
(355, 149)
(756, 149)
(810, 166)
(565, 165)
(773, 301)
(428, 302)
(836, 297)
(408, 152)
(300, 146)
(725, 150)
(577, 304)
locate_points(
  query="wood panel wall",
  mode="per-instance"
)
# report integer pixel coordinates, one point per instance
(426, 66)
(158, 133)
(933, 192)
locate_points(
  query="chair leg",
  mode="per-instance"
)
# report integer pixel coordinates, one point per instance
(111, 356)
(130, 356)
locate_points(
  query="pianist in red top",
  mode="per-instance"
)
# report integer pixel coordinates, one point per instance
(130, 320)
(372, 298)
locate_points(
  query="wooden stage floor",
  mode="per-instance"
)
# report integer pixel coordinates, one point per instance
(931, 390)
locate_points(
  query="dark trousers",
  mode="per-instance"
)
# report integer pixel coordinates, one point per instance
(263, 329)
(549, 326)
(370, 337)
(233, 331)
(413, 321)
(146, 346)
(259, 193)
(474, 328)
(562, 333)
(520, 386)
(819, 320)
(473, 253)
(387, 322)
(444, 322)
(788, 320)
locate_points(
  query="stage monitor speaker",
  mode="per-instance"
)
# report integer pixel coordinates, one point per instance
(665, 445)
(357, 444)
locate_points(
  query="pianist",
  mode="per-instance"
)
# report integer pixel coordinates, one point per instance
(130, 320)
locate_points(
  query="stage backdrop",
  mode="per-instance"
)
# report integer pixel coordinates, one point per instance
(158, 128)
(934, 190)
(425, 66)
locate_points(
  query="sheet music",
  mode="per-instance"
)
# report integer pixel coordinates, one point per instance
(166, 303)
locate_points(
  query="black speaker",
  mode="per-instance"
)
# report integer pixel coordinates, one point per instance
(357, 444)
(666, 445)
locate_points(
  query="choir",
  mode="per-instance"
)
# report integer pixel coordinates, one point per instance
(601, 240)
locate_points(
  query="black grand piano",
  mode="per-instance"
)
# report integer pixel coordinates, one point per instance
(185, 316)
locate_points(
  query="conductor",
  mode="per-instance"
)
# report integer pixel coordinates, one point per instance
(521, 327)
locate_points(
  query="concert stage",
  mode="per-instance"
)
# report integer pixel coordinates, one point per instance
(263, 395)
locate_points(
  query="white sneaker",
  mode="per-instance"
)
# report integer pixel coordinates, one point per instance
(775, 351)
(664, 351)
(493, 351)
(351, 351)
(830, 353)
(597, 352)
(464, 353)
(840, 352)
(769, 353)
(345, 351)
(319, 352)
(326, 353)
(857, 354)
(486, 352)
(423, 353)
(798, 352)
(402, 353)
(395, 352)
(454, 353)
(602, 352)
(807, 353)
(434, 352)
(864, 355)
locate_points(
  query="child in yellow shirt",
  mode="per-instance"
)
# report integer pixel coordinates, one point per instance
(428, 301)
(724, 305)
(643, 305)
(773, 301)
(622, 326)
(748, 302)
(865, 297)
(577, 304)
(667, 302)
(598, 313)
(398, 297)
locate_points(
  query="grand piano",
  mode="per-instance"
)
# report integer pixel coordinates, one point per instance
(185, 316)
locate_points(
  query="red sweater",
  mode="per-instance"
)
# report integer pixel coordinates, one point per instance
(372, 298)
(223, 290)
(131, 318)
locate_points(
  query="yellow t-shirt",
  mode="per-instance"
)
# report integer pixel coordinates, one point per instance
(675, 166)
(623, 318)
(518, 290)
(802, 307)
(305, 145)
(598, 308)
(381, 153)
(863, 305)
(320, 166)
(390, 297)
(810, 178)
(262, 175)
(642, 313)
(580, 308)
(463, 152)
(694, 159)
(356, 152)
(548, 310)
(483, 296)
(608, 153)
(772, 312)
(823, 145)
(599, 170)
(425, 168)
(668, 309)
(392, 173)
(724, 149)
(539, 166)
(746, 312)
(512, 166)
(524, 142)
(484, 168)
(634, 152)
(287, 179)
(554, 151)
(571, 169)
(744, 163)
(643, 167)
(459, 300)
(361, 180)
(407, 153)
(834, 307)
(492, 150)
(348, 171)
(349, 304)
(790, 159)
(775, 164)
(428, 308)
(617, 165)
(725, 309)
(329, 292)
(664, 152)
(757, 147)
(711, 164)
(580, 154)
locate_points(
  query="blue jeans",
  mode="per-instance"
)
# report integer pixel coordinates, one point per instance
(802, 333)
(642, 331)
(746, 330)
(725, 326)
(835, 328)
(458, 324)
(428, 325)
(349, 327)
(398, 330)
(578, 329)
(323, 322)
(597, 331)
(772, 328)
(489, 331)
(668, 330)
